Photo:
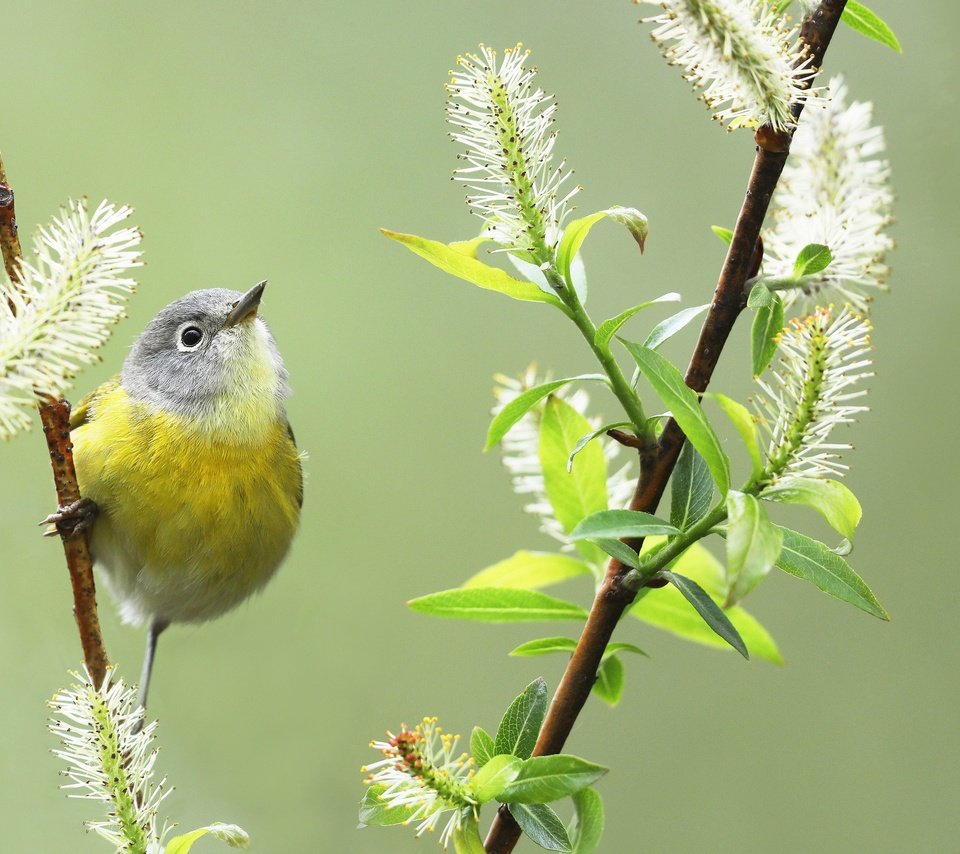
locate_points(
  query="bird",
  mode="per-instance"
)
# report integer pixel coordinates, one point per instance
(191, 479)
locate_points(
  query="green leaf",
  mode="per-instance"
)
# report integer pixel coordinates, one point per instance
(830, 498)
(576, 494)
(861, 19)
(607, 329)
(460, 264)
(586, 827)
(609, 684)
(767, 323)
(490, 781)
(469, 247)
(744, 424)
(543, 779)
(621, 551)
(542, 825)
(813, 258)
(753, 544)
(691, 489)
(684, 405)
(813, 561)
(481, 746)
(523, 403)
(708, 609)
(544, 646)
(496, 605)
(526, 570)
(667, 609)
(234, 836)
(725, 234)
(466, 839)
(375, 812)
(620, 523)
(760, 295)
(672, 325)
(577, 230)
(583, 441)
(520, 724)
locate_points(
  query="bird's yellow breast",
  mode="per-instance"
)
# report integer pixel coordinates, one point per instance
(192, 519)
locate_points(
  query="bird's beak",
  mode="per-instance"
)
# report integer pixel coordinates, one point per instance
(246, 306)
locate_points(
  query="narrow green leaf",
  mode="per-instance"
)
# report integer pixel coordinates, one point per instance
(684, 404)
(767, 323)
(691, 489)
(374, 812)
(460, 264)
(523, 403)
(813, 561)
(667, 609)
(725, 234)
(760, 295)
(586, 827)
(542, 825)
(481, 746)
(543, 779)
(813, 258)
(614, 648)
(607, 329)
(234, 836)
(861, 19)
(576, 494)
(753, 544)
(621, 551)
(466, 839)
(830, 498)
(745, 425)
(496, 605)
(499, 772)
(609, 684)
(577, 230)
(583, 441)
(469, 247)
(544, 646)
(520, 725)
(672, 325)
(708, 609)
(526, 570)
(620, 523)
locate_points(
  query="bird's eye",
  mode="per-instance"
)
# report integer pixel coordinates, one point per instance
(190, 337)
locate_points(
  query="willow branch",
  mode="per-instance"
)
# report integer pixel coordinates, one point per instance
(657, 463)
(55, 416)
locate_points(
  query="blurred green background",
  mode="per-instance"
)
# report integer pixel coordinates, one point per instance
(271, 141)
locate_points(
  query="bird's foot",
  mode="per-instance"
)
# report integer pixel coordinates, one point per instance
(71, 519)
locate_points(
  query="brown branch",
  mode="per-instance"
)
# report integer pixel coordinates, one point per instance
(9, 240)
(55, 416)
(656, 464)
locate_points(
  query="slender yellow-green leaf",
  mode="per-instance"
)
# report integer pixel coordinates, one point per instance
(586, 827)
(234, 836)
(620, 523)
(481, 746)
(863, 20)
(528, 570)
(496, 605)
(460, 264)
(466, 839)
(813, 561)
(767, 324)
(576, 494)
(691, 489)
(684, 405)
(523, 403)
(753, 544)
(744, 424)
(583, 441)
(607, 329)
(609, 684)
(577, 230)
(830, 498)
(666, 329)
(725, 234)
(498, 773)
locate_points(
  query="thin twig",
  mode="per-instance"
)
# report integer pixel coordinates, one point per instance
(55, 416)
(656, 464)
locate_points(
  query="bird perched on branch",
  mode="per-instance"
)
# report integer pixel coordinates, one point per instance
(189, 464)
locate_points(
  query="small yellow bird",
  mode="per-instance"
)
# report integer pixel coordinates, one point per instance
(192, 465)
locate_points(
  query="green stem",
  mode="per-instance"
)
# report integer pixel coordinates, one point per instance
(618, 382)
